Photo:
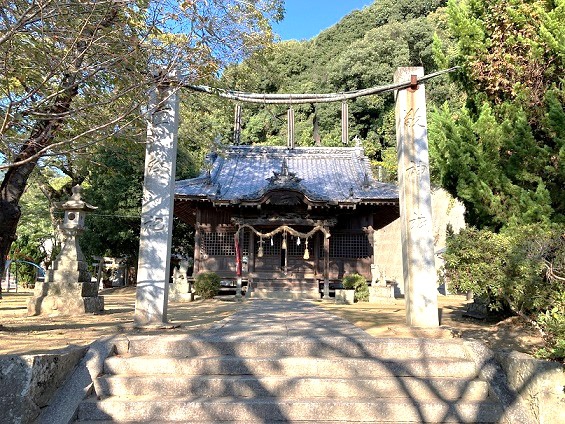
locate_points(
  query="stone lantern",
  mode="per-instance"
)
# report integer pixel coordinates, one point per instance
(68, 288)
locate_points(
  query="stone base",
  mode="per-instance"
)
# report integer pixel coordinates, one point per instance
(539, 383)
(345, 296)
(381, 293)
(65, 299)
(29, 381)
(180, 291)
(64, 305)
(478, 309)
(181, 297)
(72, 290)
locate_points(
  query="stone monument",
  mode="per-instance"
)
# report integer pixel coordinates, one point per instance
(420, 279)
(181, 288)
(68, 289)
(153, 270)
(380, 290)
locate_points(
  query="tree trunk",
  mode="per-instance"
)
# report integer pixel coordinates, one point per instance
(15, 181)
(42, 135)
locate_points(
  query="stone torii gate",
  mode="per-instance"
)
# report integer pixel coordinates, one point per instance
(413, 178)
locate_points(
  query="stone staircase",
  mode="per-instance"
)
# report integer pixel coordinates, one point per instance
(313, 378)
(287, 289)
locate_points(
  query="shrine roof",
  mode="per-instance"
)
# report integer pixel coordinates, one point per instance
(323, 175)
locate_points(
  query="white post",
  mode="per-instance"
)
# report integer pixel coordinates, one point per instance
(420, 280)
(153, 270)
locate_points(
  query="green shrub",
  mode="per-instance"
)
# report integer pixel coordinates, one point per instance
(553, 323)
(359, 283)
(520, 269)
(207, 285)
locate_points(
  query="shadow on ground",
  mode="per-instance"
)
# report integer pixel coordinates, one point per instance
(21, 334)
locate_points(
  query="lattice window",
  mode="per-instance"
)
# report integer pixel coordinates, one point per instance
(352, 246)
(295, 249)
(222, 244)
(269, 249)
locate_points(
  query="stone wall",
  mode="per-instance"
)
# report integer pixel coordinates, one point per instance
(446, 211)
(540, 384)
(27, 382)
(388, 252)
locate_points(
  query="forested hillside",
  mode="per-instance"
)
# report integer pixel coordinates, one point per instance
(362, 50)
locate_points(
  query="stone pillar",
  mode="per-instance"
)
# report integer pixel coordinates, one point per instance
(420, 280)
(157, 209)
(237, 125)
(290, 128)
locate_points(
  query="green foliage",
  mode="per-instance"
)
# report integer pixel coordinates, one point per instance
(553, 322)
(114, 187)
(75, 75)
(521, 269)
(207, 285)
(359, 284)
(34, 234)
(26, 248)
(492, 161)
(362, 50)
(511, 49)
(503, 154)
(474, 260)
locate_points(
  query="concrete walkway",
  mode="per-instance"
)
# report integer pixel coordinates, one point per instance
(283, 318)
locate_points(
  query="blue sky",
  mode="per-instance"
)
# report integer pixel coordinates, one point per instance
(304, 19)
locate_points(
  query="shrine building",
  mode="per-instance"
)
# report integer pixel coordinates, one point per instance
(292, 217)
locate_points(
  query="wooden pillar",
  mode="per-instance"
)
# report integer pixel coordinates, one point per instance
(316, 252)
(197, 244)
(290, 128)
(420, 279)
(344, 123)
(251, 260)
(238, 285)
(326, 264)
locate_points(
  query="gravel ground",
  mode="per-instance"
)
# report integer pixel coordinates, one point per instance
(20, 334)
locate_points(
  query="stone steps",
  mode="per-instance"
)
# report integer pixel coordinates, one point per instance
(261, 410)
(189, 421)
(299, 284)
(339, 367)
(362, 346)
(288, 362)
(285, 294)
(285, 289)
(297, 387)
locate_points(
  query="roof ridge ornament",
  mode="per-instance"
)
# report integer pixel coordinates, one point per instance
(366, 181)
(285, 177)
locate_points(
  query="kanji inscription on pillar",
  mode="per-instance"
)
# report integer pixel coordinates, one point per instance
(157, 208)
(420, 281)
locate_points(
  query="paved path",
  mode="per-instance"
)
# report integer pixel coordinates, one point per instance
(284, 318)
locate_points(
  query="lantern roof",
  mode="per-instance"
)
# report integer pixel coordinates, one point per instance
(75, 203)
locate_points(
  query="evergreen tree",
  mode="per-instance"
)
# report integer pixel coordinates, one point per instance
(503, 154)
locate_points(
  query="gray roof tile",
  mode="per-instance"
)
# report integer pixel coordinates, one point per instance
(323, 174)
